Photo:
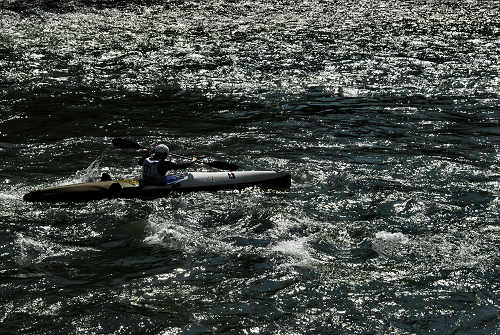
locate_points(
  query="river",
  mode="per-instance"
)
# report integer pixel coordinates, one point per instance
(386, 113)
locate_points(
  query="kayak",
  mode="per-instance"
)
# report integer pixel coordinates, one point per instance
(186, 182)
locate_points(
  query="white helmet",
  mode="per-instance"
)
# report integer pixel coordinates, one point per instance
(162, 149)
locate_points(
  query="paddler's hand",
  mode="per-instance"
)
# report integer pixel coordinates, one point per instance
(194, 159)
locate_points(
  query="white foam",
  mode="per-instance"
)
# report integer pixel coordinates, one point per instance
(162, 229)
(32, 251)
(393, 245)
(8, 196)
(467, 253)
(491, 228)
(168, 235)
(296, 248)
(392, 237)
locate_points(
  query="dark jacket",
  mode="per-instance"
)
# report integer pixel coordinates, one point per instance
(164, 166)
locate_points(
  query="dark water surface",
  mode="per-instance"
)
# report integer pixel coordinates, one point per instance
(385, 112)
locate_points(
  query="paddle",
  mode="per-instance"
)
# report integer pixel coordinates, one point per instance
(125, 143)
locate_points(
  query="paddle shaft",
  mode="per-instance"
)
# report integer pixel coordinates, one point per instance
(215, 164)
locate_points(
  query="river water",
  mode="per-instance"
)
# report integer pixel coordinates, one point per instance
(386, 113)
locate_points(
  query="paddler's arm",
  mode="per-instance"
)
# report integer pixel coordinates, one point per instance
(168, 165)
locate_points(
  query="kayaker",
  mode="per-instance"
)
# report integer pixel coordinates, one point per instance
(155, 166)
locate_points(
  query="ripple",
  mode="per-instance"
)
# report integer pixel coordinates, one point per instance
(258, 52)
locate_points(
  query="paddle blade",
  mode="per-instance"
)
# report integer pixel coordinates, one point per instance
(125, 143)
(223, 165)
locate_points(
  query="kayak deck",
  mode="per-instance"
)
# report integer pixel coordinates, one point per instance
(188, 182)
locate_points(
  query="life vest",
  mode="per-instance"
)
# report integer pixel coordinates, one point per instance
(150, 174)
